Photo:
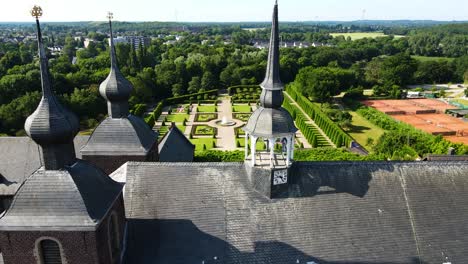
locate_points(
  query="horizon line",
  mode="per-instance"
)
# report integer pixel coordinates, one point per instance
(243, 21)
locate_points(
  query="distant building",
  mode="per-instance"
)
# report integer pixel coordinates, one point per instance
(134, 41)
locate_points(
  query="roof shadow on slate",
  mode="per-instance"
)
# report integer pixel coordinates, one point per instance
(309, 179)
(180, 242)
(6, 182)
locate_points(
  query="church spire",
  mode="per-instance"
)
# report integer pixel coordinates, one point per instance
(115, 89)
(272, 78)
(51, 126)
(272, 94)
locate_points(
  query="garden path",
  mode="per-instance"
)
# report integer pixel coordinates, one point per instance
(226, 135)
(309, 120)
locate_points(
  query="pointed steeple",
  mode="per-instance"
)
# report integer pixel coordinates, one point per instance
(270, 121)
(272, 94)
(272, 78)
(115, 89)
(51, 126)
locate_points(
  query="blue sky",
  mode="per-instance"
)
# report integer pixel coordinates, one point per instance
(235, 10)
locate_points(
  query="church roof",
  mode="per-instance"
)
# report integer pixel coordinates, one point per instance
(335, 213)
(175, 146)
(20, 158)
(59, 200)
(121, 136)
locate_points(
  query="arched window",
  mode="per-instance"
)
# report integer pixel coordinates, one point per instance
(114, 238)
(50, 252)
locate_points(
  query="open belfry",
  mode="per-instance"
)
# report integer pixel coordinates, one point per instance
(270, 208)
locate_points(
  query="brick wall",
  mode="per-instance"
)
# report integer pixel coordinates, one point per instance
(20, 247)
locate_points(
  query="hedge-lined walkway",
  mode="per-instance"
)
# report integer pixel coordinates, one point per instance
(310, 121)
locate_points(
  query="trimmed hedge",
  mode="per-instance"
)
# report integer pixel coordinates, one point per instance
(330, 128)
(219, 156)
(179, 99)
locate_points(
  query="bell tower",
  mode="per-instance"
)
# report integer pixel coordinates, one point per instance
(273, 124)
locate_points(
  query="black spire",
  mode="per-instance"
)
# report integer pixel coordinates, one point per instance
(51, 126)
(115, 89)
(272, 94)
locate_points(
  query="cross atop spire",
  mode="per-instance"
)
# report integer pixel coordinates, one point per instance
(115, 89)
(110, 16)
(51, 126)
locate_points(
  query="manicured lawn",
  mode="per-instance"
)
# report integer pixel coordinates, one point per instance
(362, 129)
(425, 58)
(207, 109)
(181, 127)
(205, 117)
(260, 144)
(202, 130)
(242, 117)
(361, 35)
(178, 118)
(164, 129)
(241, 109)
(239, 131)
(199, 142)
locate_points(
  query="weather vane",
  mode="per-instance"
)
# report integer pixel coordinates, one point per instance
(110, 15)
(36, 12)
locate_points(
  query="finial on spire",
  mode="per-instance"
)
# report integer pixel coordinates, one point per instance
(51, 126)
(115, 89)
(36, 12)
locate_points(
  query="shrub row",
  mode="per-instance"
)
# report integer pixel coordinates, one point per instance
(244, 88)
(332, 130)
(219, 156)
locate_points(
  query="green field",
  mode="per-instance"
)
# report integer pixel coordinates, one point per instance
(178, 118)
(241, 109)
(361, 35)
(199, 142)
(205, 117)
(202, 130)
(164, 129)
(424, 58)
(362, 129)
(206, 109)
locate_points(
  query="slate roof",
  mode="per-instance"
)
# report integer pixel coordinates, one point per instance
(59, 200)
(270, 122)
(175, 147)
(121, 136)
(20, 158)
(335, 212)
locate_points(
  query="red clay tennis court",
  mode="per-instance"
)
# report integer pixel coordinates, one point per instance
(425, 114)
(409, 106)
